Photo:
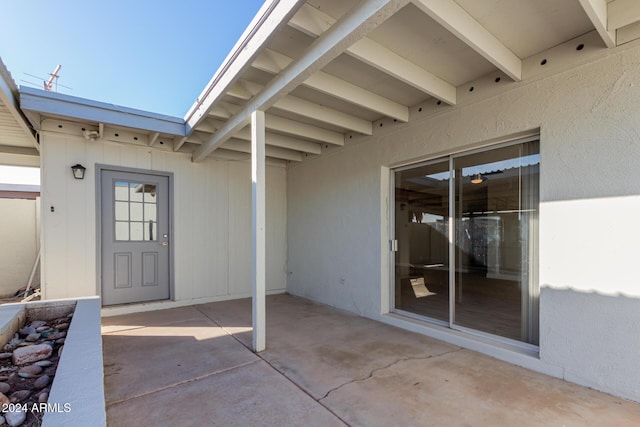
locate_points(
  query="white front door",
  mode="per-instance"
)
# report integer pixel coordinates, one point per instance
(135, 237)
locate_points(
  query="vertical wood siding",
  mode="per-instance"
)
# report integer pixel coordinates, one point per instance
(212, 230)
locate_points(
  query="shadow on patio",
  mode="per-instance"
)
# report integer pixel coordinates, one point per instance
(322, 366)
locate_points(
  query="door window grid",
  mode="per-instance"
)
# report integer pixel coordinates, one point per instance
(135, 211)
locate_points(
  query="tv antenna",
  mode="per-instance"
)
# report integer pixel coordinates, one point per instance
(53, 77)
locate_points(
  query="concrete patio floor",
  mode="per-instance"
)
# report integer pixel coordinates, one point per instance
(322, 367)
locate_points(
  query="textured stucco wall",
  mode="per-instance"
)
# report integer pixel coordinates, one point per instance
(589, 121)
(211, 213)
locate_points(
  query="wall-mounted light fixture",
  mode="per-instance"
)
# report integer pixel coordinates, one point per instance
(477, 179)
(78, 171)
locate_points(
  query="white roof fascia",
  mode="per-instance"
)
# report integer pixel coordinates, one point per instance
(9, 95)
(352, 27)
(85, 109)
(20, 187)
(271, 16)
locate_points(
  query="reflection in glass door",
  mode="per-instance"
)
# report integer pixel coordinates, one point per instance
(422, 230)
(493, 197)
(496, 211)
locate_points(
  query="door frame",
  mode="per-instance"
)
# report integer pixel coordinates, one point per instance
(98, 178)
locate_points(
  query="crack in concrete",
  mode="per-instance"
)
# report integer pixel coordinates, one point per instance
(373, 372)
(179, 383)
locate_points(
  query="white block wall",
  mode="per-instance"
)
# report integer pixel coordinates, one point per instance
(18, 243)
(589, 121)
(212, 214)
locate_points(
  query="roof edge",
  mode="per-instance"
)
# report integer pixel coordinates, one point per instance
(271, 16)
(41, 101)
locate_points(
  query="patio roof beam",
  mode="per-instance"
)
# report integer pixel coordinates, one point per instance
(274, 62)
(458, 22)
(353, 26)
(242, 146)
(304, 130)
(282, 141)
(621, 13)
(178, 142)
(153, 138)
(258, 230)
(272, 139)
(281, 125)
(311, 110)
(224, 110)
(313, 22)
(246, 90)
(597, 11)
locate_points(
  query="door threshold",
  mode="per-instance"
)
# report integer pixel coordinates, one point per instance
(137, 307)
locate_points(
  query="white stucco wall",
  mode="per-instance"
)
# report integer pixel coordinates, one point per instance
(18, 243)
(212, 213)
(589, 121)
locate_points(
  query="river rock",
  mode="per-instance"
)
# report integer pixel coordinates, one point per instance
(33, 337)
(60, 350)
(19, 395)
(38, 324)
(24, 355)
(43, 397)
(57, 335)
(11, 345)
(43, 363)
(4, 400)
(63, 326)
(31, 369)
(27, 330)
(5, 356)
(4, 388)
(15, 418)
(43, 329)
(41, 382)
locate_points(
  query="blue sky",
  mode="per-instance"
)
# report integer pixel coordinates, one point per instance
(152, 55)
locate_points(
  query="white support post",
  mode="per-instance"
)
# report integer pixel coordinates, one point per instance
(258, 234)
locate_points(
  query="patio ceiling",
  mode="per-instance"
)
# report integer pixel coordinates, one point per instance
(15, 135)
(326, 71)
(330, 71)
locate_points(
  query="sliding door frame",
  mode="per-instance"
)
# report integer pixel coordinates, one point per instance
(453, 293)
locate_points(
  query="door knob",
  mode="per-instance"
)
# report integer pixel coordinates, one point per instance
(165, 243)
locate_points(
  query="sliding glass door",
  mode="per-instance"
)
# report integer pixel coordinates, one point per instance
(422, 232)
(466, 232)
